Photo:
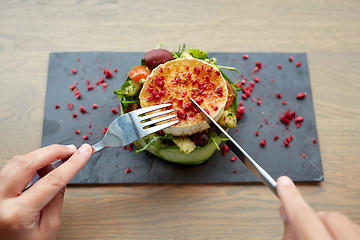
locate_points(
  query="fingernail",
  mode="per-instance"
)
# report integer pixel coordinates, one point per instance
(71, 147)
(286, 181)
(84, 148)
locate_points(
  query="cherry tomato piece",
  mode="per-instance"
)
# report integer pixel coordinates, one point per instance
(231, 94)
(139, 72)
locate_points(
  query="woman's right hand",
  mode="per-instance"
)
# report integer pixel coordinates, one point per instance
(302, 223)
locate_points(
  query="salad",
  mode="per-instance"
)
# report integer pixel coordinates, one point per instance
(173, 77)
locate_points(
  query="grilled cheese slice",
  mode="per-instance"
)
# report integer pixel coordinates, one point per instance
(178, 80)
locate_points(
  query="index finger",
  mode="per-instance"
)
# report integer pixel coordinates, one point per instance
(44, 190)
(300, 215)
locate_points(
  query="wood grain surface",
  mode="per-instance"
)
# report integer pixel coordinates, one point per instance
(328, 31)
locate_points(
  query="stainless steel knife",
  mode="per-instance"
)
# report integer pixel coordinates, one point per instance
(250, 163)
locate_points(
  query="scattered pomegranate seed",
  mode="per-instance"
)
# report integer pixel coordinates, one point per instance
(70, 106)
(72, 87)
(314, 141)
(224, 149)
(298, 64)
(94, 106)
(115, 70)
(78, 59)
(85, 137)
(244, 96)
(233, 158)
(257, 79)
(57, 106)
(304, 155)
(258, 102)
(90, 87)
(276, 137)
(286, 143)
(279, 66)
(284, 102)
(74, 71)
(128, 170)
(257, 133)
(235, 171)
(114, 111)
(291, 58)
(263, 143)
(77, 131)
(299, 119)
(105, 130)
(301, 95)
(278, 95)
(245, 56)
(82, 109)
(74, 115)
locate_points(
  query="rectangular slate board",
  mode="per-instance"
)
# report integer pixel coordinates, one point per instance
(301, 160)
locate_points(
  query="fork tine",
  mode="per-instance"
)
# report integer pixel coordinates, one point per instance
(158, 120)
(157, 128)
(150, 109)
(157, 114)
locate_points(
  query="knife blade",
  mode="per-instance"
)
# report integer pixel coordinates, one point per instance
(250, 163)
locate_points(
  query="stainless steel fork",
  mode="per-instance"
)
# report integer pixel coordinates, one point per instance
(135, 125)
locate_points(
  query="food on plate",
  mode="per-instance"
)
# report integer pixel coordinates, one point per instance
(174, 77)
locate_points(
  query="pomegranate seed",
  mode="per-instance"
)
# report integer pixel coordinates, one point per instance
(298, 64)
(245, 56)
(257, 133)
(259, 102)
(224, 149)
(70, 106)
(114, 111)
(291, 58)
(77, 131)
(257, 79)
(74, 71)
(115, 70)
(82, 109)
(240, 109)
(286, 143)
(105, 130)
(263, 143)
(233, 158)
(128, 170)
(85, 137)
(278, 95)
(95, 106)
(244, 96)
(78, 59)
(57, 106)
(284, 102)
(301, 95)
(74, 115)
(90, 87)
(299, 119)
(279, 66)
(276, 137)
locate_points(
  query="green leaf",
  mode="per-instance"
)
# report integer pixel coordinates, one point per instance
(179, 52)
(198, 53)
(229, 68)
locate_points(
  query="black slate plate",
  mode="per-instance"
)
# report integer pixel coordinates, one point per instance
(301, 160)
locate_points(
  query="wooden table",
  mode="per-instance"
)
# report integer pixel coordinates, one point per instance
(328, 31)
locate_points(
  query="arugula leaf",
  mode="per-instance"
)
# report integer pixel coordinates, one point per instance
(197, 53)
(151, 140)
